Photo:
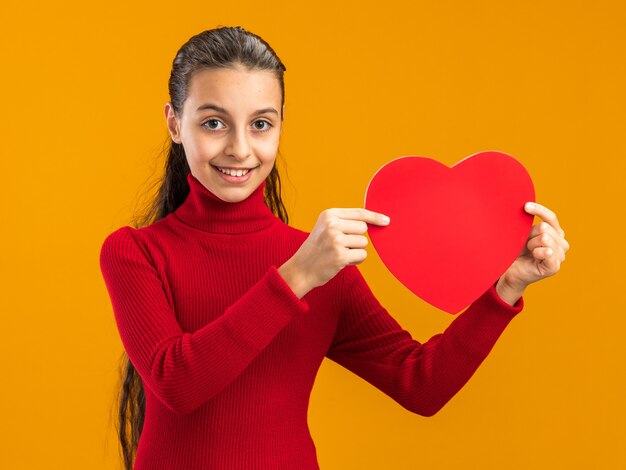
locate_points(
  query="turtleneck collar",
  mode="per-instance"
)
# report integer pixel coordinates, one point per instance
(205, 211)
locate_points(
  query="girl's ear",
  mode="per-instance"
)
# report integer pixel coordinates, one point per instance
(172, 123)
(283, 111)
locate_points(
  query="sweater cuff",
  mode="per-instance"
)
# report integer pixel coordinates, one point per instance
(281, 288)
(491, 296)
(266, 308)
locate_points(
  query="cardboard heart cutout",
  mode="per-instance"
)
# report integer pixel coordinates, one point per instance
(453, 231)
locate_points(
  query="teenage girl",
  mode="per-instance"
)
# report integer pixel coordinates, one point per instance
(226, 312)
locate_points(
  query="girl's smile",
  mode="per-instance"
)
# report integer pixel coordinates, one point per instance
(237, 176)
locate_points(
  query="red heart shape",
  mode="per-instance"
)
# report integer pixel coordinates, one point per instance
(453, 231)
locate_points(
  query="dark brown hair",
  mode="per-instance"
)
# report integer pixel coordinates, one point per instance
(222, 47)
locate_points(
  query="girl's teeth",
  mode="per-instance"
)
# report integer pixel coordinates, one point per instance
(233, 172)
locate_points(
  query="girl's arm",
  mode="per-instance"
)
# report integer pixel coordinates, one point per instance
(184, 370)
(420, 377)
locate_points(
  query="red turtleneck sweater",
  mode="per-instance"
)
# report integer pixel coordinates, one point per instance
(228, 353)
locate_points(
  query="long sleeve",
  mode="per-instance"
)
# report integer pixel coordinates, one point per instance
(183, 369)
(420, 377)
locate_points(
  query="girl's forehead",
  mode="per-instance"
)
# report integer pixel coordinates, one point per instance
(233, 87)
(226, 78)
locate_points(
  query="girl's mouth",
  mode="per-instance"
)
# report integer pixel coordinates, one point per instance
(234, 176)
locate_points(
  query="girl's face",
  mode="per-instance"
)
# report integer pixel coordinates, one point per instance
(230, 120)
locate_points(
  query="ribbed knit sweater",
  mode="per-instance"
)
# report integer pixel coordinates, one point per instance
(228, 354)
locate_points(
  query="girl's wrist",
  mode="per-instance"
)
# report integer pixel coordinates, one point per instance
(508, 292)
(294, 278)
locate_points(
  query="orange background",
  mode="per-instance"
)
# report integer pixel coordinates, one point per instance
(84, 87)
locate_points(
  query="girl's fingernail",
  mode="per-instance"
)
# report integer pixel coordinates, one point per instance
(530, 206)
(386, 219)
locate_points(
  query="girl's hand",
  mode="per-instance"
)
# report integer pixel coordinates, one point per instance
(337, 239)
(543, 254)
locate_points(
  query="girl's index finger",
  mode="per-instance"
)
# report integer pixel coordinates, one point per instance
(366, 215)
(546, 215)
(375, 217)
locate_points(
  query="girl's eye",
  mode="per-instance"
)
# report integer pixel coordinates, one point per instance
(210, 123)
(267, 128)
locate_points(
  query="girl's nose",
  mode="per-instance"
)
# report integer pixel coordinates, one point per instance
(238, 145)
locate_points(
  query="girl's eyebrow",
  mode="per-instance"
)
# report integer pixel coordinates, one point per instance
(222, 110)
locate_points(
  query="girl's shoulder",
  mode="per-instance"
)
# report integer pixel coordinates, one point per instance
(138, 239)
